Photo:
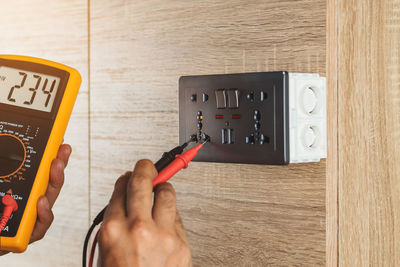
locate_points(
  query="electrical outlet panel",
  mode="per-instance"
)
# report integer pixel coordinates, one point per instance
(260, 118)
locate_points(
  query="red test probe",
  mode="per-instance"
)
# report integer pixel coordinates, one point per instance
(181, 162)
(10, 206)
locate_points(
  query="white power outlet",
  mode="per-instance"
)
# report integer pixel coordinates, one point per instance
(307, 117)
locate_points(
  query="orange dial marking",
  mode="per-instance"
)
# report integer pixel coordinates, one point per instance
(23, 162)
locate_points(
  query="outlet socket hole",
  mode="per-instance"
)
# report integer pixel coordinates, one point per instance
(310, 99)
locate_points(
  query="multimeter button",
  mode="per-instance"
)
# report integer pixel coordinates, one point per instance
(263, 95)
(193, 98)
(199, 113)
(221, 98)
(257, 115)
(205, 97)
(233, 98)
(250, 96)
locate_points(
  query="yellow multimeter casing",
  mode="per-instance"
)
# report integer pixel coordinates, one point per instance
(22, 123)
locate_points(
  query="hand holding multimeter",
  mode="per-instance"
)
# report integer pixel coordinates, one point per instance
(36, 101)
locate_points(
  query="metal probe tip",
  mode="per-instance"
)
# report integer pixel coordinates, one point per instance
(206, 139)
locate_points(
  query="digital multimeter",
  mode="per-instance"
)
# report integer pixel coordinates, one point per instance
(36, 101)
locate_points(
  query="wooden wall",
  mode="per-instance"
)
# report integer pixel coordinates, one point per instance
(131, 56)
(369, 133)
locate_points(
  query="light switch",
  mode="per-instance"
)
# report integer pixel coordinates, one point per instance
(233, 98)
(221, 98)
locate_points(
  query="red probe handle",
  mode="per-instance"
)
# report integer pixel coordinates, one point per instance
(10, 206)
(181, 162)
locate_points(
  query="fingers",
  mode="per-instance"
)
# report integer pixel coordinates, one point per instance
(63, 153)
(44, 219)
(56, 180)
(57, 173)
(140, 190)
(116, 207)
(164, 209)
(45, 203)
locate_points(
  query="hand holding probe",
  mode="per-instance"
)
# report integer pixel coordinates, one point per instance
(171, 162)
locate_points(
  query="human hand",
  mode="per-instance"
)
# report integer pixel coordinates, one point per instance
(45, 203)
(135, 232)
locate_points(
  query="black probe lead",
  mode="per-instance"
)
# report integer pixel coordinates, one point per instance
(169, 156)
(165, 160)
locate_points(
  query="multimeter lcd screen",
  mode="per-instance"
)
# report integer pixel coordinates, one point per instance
(27, 89)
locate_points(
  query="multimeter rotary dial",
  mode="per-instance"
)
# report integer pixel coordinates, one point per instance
(12, 155)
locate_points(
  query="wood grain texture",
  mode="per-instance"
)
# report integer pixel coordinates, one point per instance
(235, 215)
(332, 168)
(369, 133)
(56, 30)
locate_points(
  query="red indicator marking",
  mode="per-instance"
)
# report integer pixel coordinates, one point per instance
(236, 116)
(219, 117)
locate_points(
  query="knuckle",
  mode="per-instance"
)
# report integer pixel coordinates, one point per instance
(109, 231)
(141, 230)
(169, 241)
